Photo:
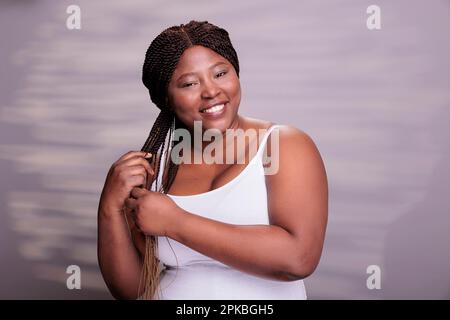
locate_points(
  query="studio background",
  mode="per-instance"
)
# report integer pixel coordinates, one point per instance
(376, 103)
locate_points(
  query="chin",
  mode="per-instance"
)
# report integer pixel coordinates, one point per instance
(221, 127)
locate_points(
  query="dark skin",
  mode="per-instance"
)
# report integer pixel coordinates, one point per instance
(297, 194)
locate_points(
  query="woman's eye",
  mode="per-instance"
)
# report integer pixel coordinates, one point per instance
(186, 85)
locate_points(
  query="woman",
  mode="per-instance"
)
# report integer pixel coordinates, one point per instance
(210, 230)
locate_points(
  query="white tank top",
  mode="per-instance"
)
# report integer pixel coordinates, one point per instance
(190, 275)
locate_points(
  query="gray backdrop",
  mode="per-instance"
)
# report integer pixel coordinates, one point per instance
(375, 102)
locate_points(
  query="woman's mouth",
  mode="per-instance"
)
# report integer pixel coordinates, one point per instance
(214, 111)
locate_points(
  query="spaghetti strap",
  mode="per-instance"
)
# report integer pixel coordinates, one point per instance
(264, 139)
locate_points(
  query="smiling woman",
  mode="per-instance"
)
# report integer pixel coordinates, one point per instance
(228, 230)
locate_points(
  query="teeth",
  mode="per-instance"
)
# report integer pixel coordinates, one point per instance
(214, 109)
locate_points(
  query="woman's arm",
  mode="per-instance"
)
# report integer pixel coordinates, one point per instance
(290, 247)
(262, 250)
(118, 258)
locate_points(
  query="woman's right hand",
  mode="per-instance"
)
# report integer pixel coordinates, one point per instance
(129, 171)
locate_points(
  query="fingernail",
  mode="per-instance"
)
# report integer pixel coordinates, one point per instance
(148, 155)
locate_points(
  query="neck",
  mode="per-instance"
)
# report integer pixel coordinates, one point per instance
(228, 138)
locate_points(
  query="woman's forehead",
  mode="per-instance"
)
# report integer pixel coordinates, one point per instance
(198, 57)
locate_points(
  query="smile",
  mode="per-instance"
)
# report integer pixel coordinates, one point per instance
(215, 110)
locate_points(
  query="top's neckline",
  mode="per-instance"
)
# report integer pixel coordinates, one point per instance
(235, 179)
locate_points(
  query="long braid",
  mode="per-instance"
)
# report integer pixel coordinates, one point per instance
(161, 59)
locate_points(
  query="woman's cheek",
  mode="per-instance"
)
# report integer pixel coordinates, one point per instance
(187, 107)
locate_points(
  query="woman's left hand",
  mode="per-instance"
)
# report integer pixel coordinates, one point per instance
(154, 212)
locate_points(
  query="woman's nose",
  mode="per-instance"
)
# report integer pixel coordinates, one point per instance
(210, 89)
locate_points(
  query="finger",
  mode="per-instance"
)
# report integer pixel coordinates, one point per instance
(136, 170)
(130, 154)
(130, 203)
(143, 162)
(138, 160)
(137, 192)
(136, 181)
(142, 177)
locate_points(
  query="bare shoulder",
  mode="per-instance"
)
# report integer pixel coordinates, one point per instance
(295, 163)
(254, 123)
(289, 138)
(295, 137)
(292, 142)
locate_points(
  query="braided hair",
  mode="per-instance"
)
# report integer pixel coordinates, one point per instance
(160, 62)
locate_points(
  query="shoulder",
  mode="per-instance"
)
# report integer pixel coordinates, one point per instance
(254, 123)
(291, 140)
(293, 160)
(286, 136)
(292, 134)
(288, 129)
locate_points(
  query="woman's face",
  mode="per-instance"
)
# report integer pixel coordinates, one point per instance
(202, 79)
